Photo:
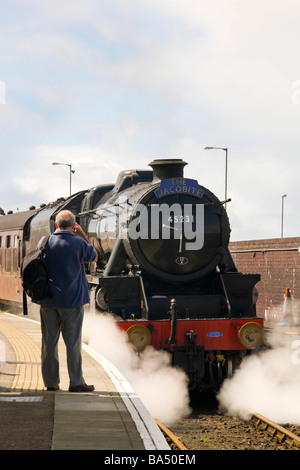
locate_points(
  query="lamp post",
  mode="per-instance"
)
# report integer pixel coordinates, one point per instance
(282, 205)
(71, 171)
(226, 167)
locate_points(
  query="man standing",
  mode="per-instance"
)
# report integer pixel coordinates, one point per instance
(66, 252)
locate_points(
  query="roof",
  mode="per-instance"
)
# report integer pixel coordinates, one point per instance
(17, 220)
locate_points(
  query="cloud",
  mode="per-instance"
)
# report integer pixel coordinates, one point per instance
(68, 11)
(126, 82)
(94, 164)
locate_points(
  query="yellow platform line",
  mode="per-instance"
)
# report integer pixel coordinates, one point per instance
(28, 375)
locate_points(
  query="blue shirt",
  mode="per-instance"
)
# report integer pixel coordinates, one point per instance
(66, 254)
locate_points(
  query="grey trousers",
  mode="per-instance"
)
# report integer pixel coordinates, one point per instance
(67, 321)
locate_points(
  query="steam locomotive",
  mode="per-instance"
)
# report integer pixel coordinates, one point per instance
(164, 269)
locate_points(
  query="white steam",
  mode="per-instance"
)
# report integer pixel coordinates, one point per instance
(267, 383)
(162, 388)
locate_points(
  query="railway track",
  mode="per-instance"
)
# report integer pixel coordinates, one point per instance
(172, 440)
(210, 430)
(280, 433)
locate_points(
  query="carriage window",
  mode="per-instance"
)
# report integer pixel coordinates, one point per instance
(15, 253)
(15, 260)
(7, 260)
(8, 254)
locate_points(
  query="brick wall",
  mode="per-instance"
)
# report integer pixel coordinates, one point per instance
(277, 260)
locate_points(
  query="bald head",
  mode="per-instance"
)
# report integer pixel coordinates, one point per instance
(65, 220)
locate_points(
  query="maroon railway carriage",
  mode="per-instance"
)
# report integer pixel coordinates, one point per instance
(14, 232)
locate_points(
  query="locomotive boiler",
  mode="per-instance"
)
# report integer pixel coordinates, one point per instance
(164, 269)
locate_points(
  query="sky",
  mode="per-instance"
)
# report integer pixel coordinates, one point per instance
(107, 85)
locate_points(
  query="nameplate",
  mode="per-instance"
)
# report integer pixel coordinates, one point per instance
(179, 186)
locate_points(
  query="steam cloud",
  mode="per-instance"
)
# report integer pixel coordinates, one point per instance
(267, 383)
(162, 388)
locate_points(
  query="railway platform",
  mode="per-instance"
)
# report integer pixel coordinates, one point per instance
(32, 418)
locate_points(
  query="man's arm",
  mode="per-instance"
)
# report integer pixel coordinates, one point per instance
(80, 232)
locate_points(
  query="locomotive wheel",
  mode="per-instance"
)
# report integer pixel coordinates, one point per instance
(229, 367)
(233, 363)
(101, 299)
(220, 370)
(216, 373)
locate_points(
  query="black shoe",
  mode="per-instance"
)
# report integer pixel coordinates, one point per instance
(52, 389)
(81, 388)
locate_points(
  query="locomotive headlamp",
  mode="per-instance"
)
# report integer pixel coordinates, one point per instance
(139, 336)
(251, 335)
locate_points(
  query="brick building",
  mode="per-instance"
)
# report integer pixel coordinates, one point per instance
(277, 260)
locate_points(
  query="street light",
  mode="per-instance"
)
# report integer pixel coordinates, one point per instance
(282, 204)
(226, 167)
(71, 171)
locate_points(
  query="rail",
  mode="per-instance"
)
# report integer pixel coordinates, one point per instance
(281, 434)
(172, 440)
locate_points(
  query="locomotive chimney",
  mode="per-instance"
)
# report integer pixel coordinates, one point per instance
(167, 168)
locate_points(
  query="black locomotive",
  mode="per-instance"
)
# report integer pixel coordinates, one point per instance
(164, 270)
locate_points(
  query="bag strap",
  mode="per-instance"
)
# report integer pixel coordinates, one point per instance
(25, 307)
(44, 242)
